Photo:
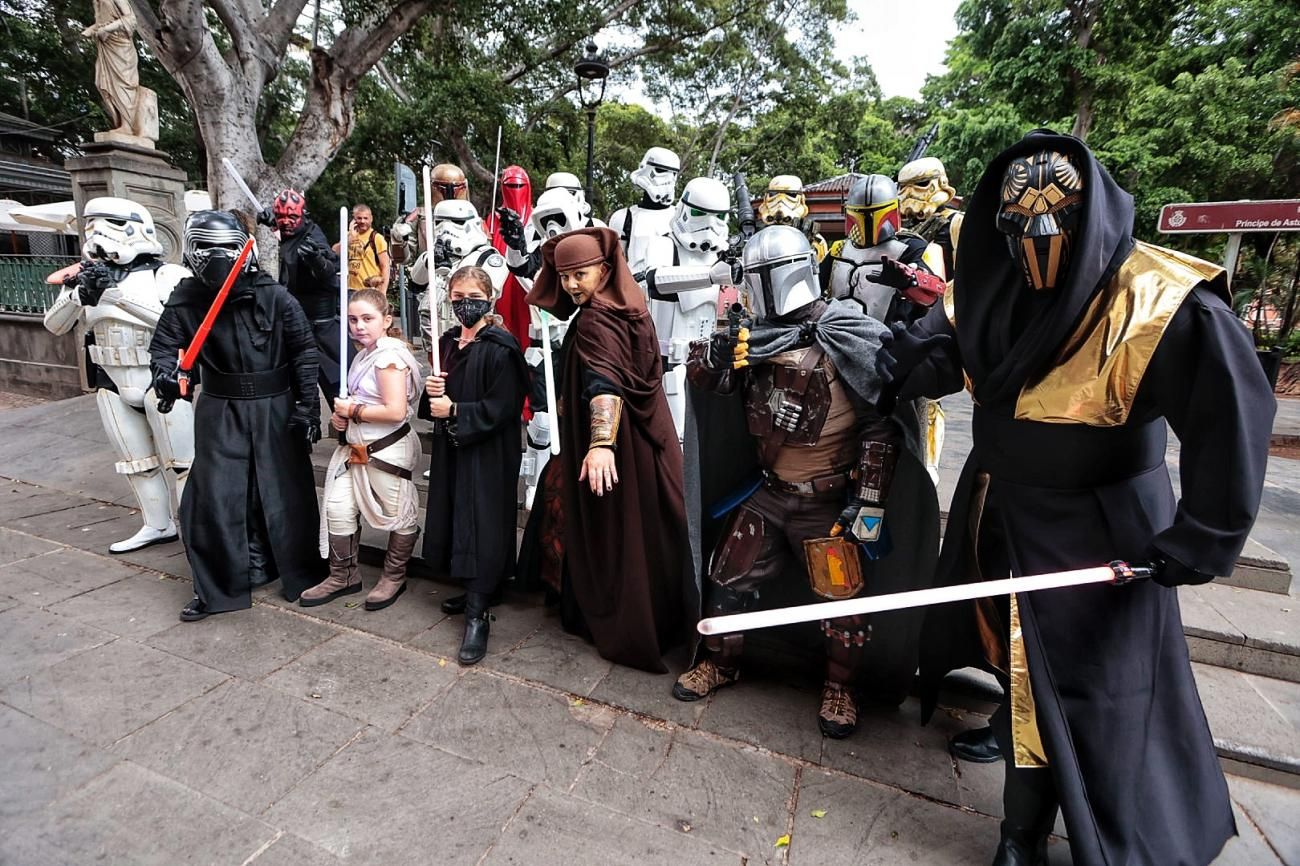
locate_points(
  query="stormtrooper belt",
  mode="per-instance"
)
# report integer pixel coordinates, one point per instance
(816, 487)
(244, 386)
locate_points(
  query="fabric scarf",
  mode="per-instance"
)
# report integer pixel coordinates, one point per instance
(386, 349)
(849, 337)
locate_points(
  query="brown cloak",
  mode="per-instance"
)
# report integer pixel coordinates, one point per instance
(626, 553)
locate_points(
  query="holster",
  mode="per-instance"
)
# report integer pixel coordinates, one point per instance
(362, 455)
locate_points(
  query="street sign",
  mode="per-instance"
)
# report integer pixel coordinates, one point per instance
(405, 189)
(1278, 215)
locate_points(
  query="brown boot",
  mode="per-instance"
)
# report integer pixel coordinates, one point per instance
(392, 581)
(702, 680)
(345, 577)
(839, 713)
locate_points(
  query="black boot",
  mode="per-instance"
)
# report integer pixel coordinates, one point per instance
(194, 611)
(454, 605)
(477, 624)
(1029, 803)
(978, 746)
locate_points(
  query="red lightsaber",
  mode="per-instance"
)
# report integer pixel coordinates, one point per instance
(191, 355)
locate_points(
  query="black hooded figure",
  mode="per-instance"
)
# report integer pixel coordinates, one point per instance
(249, 512)
(309, 269)
(1078, 344)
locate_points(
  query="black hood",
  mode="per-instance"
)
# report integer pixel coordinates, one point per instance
(990, 285)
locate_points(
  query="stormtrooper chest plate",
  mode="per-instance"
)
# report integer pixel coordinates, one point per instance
(642, 227)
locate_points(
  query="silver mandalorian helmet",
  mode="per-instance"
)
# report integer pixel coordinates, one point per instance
(569, 181)
(555, 213)
(700, 221)
(780, 272)
(456, 220)
(871, 211)
(118, 230)
(657, 174)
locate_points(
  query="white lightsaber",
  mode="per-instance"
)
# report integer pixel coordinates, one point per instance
(343, 302)
(239, 182)
(428, 264)
(548, 370)
(496, 176)
(1117, 572)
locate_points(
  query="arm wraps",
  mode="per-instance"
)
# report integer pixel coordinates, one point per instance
(606, 412)
(875, 471)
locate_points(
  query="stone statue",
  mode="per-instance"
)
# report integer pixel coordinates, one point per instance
(131, 108)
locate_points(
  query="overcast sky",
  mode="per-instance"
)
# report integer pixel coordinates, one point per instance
(905, 40)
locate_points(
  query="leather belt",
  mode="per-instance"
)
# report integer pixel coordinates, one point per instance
(363, 455)
(244, 386)
(816, 487)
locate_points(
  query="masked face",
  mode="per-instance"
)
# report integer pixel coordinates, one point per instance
(288, 210)
(869, 225)
(1041, 212)
(923, 188)
(516, 190)
(213, 240)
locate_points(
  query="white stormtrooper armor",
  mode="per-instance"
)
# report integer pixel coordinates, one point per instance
(121, 235)
(456, 224)
(567, 181)
(682, 279)
(557, 212)
(638, 224)
(871, 220)
(538, 452)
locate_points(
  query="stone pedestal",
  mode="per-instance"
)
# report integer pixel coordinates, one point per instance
(139, 173)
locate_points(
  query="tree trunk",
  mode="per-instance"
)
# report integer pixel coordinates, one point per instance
(1083, 18)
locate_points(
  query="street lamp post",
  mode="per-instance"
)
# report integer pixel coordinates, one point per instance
(590, 70)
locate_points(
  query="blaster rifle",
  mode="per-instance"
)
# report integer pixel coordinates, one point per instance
(744, 208)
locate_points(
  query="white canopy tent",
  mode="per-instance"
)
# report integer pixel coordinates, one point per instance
(59, 216)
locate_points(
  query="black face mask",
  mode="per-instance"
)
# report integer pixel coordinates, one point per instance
(470, 310)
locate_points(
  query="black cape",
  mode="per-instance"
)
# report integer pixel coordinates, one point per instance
(310, 270)
(1127, 741)
(246, 468)
(470, 522)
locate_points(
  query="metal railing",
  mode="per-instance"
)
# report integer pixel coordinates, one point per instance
(22, 282)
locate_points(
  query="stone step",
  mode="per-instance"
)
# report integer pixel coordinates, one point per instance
(1255, 720)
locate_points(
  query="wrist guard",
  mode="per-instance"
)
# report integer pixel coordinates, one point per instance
(606, 413)
(875, 471)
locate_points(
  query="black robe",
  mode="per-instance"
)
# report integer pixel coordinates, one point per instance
(310, 270)
(470, 520)
(251, 493)
(1127, 742)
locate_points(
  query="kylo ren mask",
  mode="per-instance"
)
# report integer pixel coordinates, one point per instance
(1041, 212)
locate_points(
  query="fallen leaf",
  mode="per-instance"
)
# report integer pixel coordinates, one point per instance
(819, 813)
(352, 604)
(782, 841)
(315, 694)
(684, 826)
(442, 663)
(756, 821)
(576, 702)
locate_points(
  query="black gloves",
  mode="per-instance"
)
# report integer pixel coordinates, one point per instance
(265, 217)
(167, 387)
(442, 255)
(903, 351)
(1168, 571)
(722, 351)
(895, 274)
(91, 281)
(304, 429)
(512, 229)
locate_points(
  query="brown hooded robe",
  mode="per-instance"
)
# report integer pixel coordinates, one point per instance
(626, 556)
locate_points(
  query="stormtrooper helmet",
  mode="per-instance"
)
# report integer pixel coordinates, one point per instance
(456, 220)
(700, 221)
(568, 181)
(118, 230)
(780, 272)
(555, 213)
(657, 174)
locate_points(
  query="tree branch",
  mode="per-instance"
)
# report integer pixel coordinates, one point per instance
(357, 49)
(565, 44)
(279, 24)
(466, 155)
(399, 92)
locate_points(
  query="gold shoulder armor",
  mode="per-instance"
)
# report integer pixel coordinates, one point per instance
(1100, 367)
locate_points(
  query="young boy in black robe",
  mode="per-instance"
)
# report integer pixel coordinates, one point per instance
(1078, 344)
(249, 511)
(476, 404)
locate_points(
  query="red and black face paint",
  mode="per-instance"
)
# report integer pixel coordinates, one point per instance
(1042, 208)
(288, 210)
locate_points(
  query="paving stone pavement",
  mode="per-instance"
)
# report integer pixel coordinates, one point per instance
(283, 736)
